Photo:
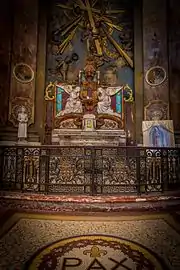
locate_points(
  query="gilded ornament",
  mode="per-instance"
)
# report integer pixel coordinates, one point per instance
(129, 92)
(50, 91)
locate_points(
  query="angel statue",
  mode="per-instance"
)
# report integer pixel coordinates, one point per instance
(73, 103)
(104, 97)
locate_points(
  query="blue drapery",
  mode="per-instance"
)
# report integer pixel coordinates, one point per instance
(159, 136)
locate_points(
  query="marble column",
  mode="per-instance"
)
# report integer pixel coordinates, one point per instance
(138, 71)
(174, 63)
(41, 72)
(5, 58)
(24, 60)
(155, 58)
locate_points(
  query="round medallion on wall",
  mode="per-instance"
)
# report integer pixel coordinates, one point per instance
(23, 73)
(155, 76)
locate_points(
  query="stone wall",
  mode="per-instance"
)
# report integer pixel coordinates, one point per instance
(155, 57)
(5, 58)
(174, 63)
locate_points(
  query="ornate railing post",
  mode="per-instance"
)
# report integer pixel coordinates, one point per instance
(164, 169)
(47, 165)
(93, 171)
(20, 168)
(89, 164)
(44, 170)
(138, 171)
(1, 166)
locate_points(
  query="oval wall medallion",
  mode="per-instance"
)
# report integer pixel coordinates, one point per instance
(23, 73)
(155, 76)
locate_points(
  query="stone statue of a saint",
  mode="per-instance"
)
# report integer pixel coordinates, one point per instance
(104, 97)
(73, 103)
(22, 127)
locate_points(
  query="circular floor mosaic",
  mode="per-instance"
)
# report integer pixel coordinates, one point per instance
(95, 252)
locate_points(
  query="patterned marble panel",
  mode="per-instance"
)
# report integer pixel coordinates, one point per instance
(24, 51)
(155, 52)
(5, 49)
(174, 57)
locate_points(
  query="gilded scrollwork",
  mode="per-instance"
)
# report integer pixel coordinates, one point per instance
(129, 97)
(50, 91)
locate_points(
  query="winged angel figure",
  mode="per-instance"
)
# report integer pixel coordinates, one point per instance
(73, 103)
(104, 97)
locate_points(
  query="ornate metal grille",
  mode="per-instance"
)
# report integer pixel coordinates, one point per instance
(89, 170)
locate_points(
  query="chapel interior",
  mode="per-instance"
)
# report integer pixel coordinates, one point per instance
(89, 126)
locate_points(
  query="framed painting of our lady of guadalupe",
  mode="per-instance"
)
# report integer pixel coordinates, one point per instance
(158, 133)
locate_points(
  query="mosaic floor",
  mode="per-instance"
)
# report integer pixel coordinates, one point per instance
(35, 241)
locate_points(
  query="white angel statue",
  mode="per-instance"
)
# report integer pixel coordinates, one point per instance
(104, 97)
(73, 103)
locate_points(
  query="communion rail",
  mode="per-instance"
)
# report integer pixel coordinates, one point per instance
(89, 170)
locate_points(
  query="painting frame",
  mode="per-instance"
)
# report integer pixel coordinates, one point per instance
(158, 133)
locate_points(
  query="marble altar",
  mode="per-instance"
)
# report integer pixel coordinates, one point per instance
(87, 113)
(76, 137)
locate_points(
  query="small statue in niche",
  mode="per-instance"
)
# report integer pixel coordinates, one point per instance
(22, 127)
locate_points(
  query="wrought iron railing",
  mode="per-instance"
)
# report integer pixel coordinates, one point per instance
(89, 170)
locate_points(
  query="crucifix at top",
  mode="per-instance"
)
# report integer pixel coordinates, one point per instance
(98, 24)
(94, 30)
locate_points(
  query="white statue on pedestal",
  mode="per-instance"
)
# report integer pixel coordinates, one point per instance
(73, 104)
(104, 97)
(22, 127)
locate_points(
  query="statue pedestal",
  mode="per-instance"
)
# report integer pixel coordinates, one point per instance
(76, 137)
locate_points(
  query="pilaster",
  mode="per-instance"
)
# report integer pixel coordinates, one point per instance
(155, 54)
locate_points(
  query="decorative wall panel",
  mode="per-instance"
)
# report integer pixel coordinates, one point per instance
(23, 71)
(156, 84)
(5, 48)
(174, 57)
